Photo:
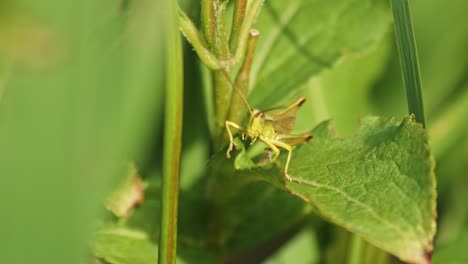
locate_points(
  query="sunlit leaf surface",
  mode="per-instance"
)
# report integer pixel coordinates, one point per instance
(378, 183)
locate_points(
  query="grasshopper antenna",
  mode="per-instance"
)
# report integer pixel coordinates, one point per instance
(238, 92)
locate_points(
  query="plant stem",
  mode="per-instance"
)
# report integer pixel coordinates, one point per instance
(221, 86)
(251, 15)
(196, 39)
(237, 21)
(237, 107)
(221, 44)
(222, 60)
(408, 58)
(222, 96)
(361, 252)
(208, 20)
(172, 140)
(356, 250)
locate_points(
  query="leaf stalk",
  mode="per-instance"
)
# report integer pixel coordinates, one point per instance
(243, 80)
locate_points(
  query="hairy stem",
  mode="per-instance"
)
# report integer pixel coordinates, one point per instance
(221, 86)
(221, 44)
(195, 38)
(237, 21)
(216, 27)
(222, 96)
(208, 20)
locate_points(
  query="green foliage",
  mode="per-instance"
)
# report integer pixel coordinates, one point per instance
(386, 145)
(124, 246)
(379, 183)
(82, 95)
(299, 39)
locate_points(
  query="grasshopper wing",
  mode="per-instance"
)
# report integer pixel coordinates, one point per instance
(283, 124)
(284, 119)
(294, 140)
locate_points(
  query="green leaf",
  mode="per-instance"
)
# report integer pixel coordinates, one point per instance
(120, 245)
(379, 184)
(329, 92)
(248, 225)
(299, 39)
(249, 213)
(135, 239)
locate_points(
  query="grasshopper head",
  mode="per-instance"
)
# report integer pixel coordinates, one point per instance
(257, 113)
(257, 120)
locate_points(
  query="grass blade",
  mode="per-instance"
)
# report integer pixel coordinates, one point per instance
(408, 58)
(172, 140)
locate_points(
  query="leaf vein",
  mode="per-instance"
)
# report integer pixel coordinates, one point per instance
(372, 212)
(274, 36)
(301, 47)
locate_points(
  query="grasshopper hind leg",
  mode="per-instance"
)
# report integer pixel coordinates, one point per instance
(286, 166)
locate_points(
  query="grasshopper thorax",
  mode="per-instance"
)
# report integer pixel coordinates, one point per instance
(259, 126)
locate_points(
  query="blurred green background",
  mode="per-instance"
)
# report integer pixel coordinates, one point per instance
(81, 94)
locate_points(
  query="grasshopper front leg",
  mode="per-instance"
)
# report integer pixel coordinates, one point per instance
(229, 124)
(274, 144)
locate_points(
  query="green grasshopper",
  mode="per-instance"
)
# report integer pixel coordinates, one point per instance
(272, 127)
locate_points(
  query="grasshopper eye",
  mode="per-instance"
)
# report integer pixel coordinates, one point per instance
(262, 116)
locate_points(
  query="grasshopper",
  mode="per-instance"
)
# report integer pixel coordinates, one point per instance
(272, 127)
